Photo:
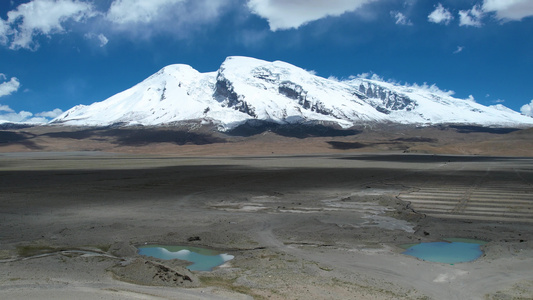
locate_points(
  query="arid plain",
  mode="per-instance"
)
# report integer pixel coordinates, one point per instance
(317, 214)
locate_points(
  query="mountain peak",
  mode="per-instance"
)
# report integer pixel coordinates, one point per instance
(245, 88)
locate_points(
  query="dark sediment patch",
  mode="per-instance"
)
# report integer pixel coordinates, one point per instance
(426, 158)
(417, 140)
(346, 145)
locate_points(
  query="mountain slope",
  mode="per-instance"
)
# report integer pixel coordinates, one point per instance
(415, 104)
(246, 89)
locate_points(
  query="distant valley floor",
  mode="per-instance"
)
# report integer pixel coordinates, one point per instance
(192, 139)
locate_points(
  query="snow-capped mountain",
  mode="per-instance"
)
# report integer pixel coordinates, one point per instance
(250, 89)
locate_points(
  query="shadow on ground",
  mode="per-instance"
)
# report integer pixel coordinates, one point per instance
(23, 138)
(142, 137)
(121, 137)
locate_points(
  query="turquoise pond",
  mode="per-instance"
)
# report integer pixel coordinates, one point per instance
(450, 251)
(202, 259)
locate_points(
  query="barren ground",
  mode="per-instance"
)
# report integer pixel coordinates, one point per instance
(306, 226)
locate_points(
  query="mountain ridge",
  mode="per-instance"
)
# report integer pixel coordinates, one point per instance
(246, 89)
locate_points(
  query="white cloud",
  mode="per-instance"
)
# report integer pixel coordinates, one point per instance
(287, 14)
(137, 11)
(433, 89)
(12, 116)
(4, 31)
(50, 114)
(6, 108)
(400, 18)
(195, 12)
(44, 17)
(471, 17)
(8, 87)
(509, 9)
(440, 15)
(9, 115)
(377, 77)
(103, 40)
(371, 76)
(459, 49)
(368, 75)
(527, 109)
(470, 98)
(135, 19)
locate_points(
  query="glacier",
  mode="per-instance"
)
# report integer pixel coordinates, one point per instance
(244, 89)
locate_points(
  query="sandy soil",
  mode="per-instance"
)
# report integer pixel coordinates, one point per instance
(191, 140)
(300, 227)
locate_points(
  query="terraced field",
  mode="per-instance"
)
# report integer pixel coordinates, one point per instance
(488, 197)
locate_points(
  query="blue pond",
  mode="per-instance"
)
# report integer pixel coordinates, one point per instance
(446, 252)
(202, 259)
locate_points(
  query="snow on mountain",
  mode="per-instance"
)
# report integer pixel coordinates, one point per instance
(429, 105)
(175, 93)
(250, 89)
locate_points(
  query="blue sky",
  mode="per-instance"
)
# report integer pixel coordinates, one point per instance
(55, 54)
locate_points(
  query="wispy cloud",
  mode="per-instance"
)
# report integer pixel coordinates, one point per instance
(459, 49)
(138, 11)
(4, 32)
(400, 18)
(288, 14)
(369, 75)
(251, 38)
(501, 107)
(101, 39)
(179, 18)
(440, 15)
